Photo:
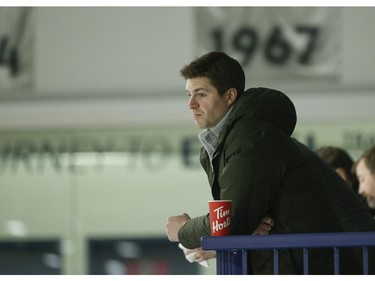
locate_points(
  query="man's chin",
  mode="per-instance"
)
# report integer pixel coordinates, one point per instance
(199, 126)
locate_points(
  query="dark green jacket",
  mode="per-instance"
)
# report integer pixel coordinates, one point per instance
(266, 172)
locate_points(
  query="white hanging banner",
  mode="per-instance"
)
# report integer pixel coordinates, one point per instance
(274, 43)
(16, 48)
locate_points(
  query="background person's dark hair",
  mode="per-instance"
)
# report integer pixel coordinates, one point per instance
(223, 71)
(338, 158)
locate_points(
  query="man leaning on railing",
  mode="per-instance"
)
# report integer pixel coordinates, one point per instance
(250, 158)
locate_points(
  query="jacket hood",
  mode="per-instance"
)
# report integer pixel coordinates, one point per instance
(267, 104)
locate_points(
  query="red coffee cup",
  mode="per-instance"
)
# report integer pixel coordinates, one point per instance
(220, 217)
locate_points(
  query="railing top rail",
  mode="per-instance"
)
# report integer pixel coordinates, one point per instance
(289, 241)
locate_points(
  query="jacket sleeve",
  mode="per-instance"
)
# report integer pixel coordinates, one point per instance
(193, 230)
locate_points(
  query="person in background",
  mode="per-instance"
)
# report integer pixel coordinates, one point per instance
(250, 158)
(342, 162)
(364, 169)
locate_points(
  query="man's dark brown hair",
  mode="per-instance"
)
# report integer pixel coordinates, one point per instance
(223, 71)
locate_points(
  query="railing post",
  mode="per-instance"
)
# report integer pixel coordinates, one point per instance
(365, 260)
(244, 262)
(230, 263)
(237, 265)
(275, 261)
(336, 257)
(305, 261)
(220, 266)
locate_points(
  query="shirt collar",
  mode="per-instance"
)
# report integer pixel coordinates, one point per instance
(205, 134)
(220, 126)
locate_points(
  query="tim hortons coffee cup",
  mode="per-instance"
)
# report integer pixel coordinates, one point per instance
(220, 213)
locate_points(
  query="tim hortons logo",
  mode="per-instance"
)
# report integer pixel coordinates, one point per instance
(220, 214)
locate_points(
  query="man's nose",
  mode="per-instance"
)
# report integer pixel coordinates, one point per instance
(192, 103)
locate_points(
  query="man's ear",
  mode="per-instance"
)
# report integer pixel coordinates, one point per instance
(231, 95)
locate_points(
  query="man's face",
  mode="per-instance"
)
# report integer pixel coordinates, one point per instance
(205, 103)
(366, 183)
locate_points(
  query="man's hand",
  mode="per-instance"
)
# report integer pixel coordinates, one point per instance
(199, 254)
(173, 225)
(264, 226)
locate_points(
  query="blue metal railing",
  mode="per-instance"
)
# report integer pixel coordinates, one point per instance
(231, 251)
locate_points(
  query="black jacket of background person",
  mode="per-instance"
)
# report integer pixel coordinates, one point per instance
(264, 171)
